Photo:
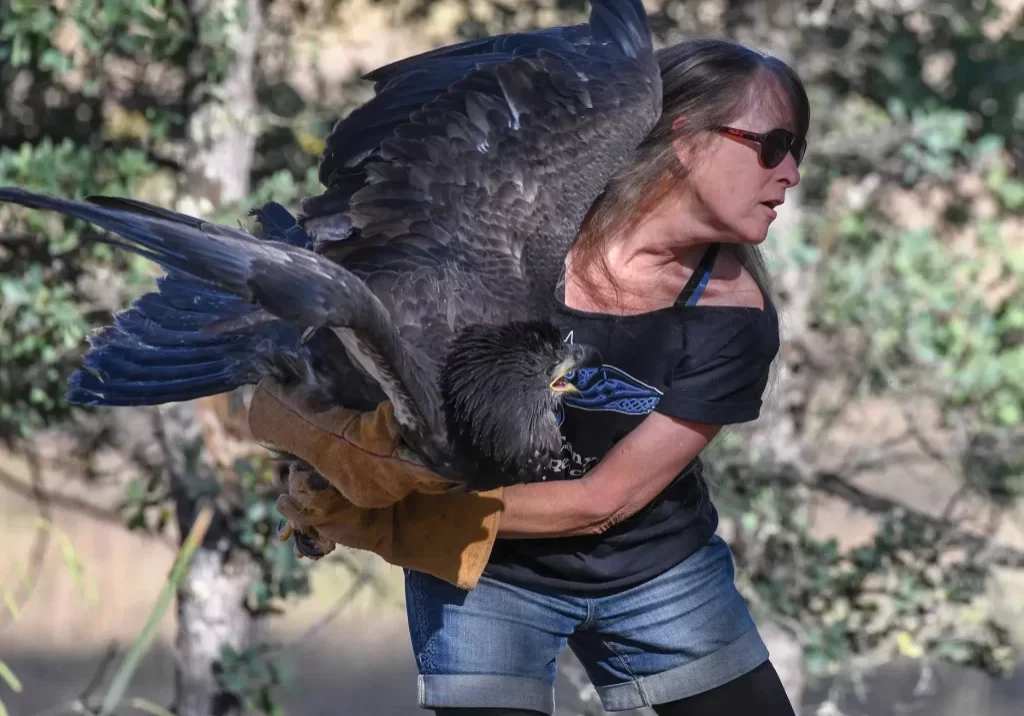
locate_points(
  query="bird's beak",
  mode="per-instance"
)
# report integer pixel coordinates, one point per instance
(563, 386)
(560, 384)
(583, 357)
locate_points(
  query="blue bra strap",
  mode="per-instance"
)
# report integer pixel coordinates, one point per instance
(694, 288)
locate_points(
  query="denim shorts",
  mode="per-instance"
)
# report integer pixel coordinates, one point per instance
(683, 632)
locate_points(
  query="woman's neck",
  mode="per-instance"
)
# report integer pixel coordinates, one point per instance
(641, 270)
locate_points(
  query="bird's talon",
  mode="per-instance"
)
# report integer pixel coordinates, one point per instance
(284, 530)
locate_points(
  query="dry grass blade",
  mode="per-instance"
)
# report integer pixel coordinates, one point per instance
(138, 649)
(149, 707)
(8, 676)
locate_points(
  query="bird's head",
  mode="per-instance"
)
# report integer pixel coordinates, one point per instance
(502, 385)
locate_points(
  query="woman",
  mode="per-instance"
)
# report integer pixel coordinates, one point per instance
(615, 553)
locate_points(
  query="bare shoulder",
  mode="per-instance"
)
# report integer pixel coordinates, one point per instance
(731, 284)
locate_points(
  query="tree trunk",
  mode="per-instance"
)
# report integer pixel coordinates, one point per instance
(221, 129)
(212, 615)
(212, 609)
(211, 597)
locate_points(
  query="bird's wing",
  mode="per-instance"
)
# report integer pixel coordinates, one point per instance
(501, 46)
(407, 85)
(163, 350)
(287, 281)
(494, 175)
(465, 213)
(401, 89)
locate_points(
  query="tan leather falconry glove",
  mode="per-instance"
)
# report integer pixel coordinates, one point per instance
(373, 494)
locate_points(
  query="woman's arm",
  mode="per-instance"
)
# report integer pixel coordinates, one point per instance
(632, 474)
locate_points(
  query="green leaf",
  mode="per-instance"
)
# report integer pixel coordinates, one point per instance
(8, 676)
(12, 604)
(74, 565)
(1010, 413)
(750, 521)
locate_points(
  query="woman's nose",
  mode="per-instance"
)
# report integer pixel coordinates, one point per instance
(789, 172)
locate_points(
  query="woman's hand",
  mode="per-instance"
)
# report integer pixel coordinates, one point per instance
(632, 474)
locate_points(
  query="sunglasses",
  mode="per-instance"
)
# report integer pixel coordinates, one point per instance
(774, 145)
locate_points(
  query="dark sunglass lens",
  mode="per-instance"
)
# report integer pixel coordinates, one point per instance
(799, 147)
(774, 148)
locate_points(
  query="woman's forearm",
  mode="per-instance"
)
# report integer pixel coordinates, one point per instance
(559, 508)
(632, 474)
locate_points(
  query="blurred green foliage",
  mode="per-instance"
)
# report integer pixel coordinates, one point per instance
(44, 319)
(245, 496)
(935, 314)
(255, 525)
(902, 594)
(28, 27)
(254, 677)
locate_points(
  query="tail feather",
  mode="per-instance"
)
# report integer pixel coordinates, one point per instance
(125, 356)
(135, 324)
(86, 388)
(187, 294)
(172, 308)
(227, 293)
(157, 351)
(159, 355)
(155, 354)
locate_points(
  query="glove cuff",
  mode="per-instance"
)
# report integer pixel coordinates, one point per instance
(355, 451)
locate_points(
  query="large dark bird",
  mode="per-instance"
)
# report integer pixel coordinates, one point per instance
(426, 271)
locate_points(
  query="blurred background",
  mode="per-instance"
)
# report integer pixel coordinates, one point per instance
(875, 509)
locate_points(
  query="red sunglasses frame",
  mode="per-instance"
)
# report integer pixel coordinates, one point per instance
(794, 145)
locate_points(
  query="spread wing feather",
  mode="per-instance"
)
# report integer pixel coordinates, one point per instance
(408, 85)
(457, 191)
(470, 202)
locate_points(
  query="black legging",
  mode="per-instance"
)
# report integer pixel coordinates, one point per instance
(759, 691)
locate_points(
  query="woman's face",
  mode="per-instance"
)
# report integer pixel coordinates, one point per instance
(730, 191)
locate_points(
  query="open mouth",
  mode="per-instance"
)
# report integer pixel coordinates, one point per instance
(771, 204)
(561, 385)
